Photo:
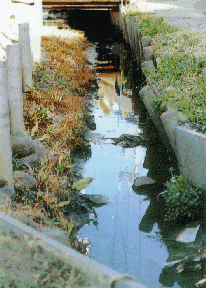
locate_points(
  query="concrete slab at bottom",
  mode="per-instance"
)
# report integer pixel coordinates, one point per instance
(97, 273)
(191, 155)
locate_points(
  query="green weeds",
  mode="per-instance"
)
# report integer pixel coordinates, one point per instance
(151, 25)
(181, 65)
(183, 202)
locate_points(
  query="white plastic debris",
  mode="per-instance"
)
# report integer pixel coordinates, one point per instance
(188, 235)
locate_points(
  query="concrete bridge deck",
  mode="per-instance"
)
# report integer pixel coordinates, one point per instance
(84, 4)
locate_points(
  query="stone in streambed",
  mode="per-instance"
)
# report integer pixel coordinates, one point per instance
(146, 41)
(96, 199)
(40, 150)
(23, 146)
(3, 183)
(143, 182)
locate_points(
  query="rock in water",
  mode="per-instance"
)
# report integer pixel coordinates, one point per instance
(96, 199)
(143, 182)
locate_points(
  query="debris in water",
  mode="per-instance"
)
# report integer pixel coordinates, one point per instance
(201, 283)
(129, 141)
(82, 184)
(188, 235)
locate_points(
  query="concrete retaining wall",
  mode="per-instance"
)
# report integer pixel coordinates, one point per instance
(188, 145)
(97, 274)
(14, 12)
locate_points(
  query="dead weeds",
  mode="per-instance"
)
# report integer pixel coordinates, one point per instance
(56, 112)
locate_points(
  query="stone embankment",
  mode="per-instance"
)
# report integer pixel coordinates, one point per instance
(188, 145)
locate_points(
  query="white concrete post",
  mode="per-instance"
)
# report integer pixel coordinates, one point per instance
(26, 57)
(14, 87)
(35, 24)
(6, 170)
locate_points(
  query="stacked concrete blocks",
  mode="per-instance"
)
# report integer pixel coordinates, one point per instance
(141, 46)
(188, 145)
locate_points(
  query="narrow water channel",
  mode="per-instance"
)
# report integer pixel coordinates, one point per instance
(128, 234)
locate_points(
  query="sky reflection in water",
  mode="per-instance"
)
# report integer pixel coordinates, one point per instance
(117, 241)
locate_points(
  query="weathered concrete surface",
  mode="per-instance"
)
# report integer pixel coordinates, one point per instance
(146, 41)
(172, 119)
(191, 155)
(99, 275)
(148, 66)
(188, 145)
(148, 53)
(148, 97)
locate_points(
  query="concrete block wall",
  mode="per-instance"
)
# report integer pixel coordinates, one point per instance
(14, 12)
(188, 145)
(96, 274)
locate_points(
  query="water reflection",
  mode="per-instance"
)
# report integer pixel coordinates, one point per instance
(129, 234)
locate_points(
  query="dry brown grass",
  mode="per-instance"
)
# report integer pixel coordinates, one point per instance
(61, 85)
(55, 112)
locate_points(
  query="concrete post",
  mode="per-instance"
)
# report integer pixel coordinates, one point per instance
(35, 24)
(14, 87)
(26, 57)
(6, 170)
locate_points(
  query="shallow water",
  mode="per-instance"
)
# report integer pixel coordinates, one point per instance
(128, 234)
(123, 238)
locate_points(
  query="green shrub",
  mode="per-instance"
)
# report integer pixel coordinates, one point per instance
(182, 201)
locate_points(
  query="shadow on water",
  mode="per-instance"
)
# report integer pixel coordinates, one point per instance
(129, 233)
